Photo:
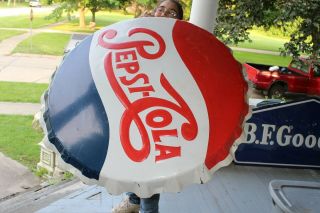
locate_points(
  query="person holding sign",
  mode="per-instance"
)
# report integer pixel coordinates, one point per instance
(132, 203)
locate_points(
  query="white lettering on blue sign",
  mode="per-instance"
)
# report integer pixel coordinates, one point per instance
(283, 136)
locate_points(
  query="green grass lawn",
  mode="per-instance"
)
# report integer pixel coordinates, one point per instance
(44, 43)
(18, 4)
(23, 21)
(21, 92)
(19, 140)
(262, 41)
(4, 34)
(103, 18)
(54, 43)
(246, 57)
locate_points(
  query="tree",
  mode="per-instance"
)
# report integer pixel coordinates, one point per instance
(147, 4)
(67, 7)
(139, 6)
(82, 12)
(81, 6)
(97, 5)
(142, 6)
(70, 6)
(122, 4)
(9, 2)
(306, 37)
(236, 17)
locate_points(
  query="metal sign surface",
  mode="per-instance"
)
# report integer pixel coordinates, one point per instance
(283, 134)
(137, 106)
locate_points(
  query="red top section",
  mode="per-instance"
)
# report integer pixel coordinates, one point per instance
(220, 80)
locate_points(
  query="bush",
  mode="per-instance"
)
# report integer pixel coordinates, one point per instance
(281, 31)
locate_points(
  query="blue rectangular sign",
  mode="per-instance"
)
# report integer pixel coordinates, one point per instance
(283, 134)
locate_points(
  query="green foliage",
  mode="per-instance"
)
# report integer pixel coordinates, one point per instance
(67, 7)
(186, 4)
(235, 18)
(148, 4)
(139, 6)
(41, 172)
(70, 6)
(144, 7)
(280, 31)
(97, 5)
(44, 43)
(21, 92)
(306, 38)
(299, 18)
(121, 4)
(67, 175)
(19, 140)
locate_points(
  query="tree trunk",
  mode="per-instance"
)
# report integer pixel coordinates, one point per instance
(82, 17)
(93, 18)
(68, 16)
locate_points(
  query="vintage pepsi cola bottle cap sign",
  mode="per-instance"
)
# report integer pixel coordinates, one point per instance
(146, 105)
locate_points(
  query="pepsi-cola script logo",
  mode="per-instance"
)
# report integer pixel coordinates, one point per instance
(124, 72)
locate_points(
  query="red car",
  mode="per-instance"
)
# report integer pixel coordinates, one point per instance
(301, 76)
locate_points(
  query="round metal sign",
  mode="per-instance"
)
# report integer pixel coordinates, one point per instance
(146, 105)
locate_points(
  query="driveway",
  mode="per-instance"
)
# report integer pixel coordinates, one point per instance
(14, 177)
(28, 68)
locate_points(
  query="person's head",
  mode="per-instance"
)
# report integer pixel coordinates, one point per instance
(169, 8)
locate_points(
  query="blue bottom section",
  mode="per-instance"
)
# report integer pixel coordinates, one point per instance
(75, 117)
